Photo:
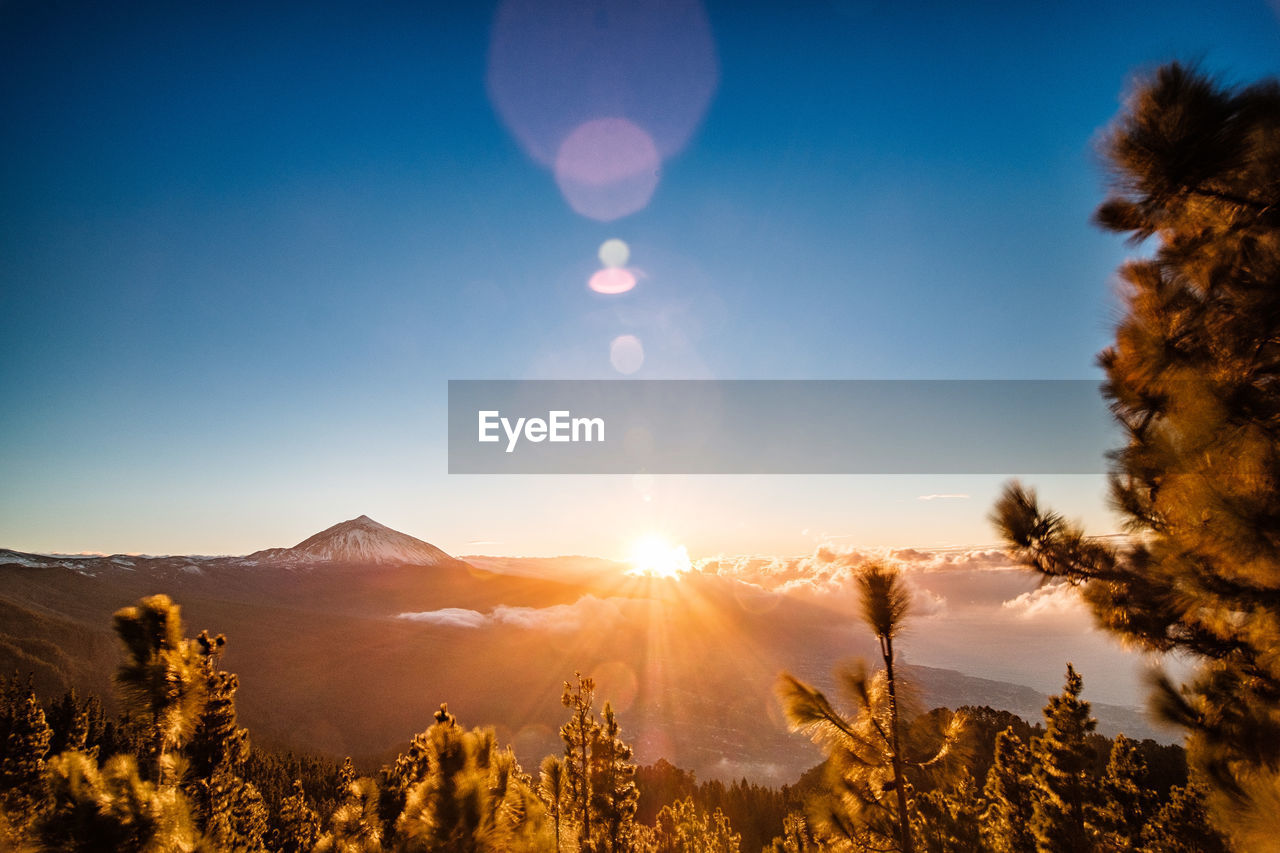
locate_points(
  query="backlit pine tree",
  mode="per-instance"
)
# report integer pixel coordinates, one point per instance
(869, 797)
(578, 734)
(681, 827)
(949, 817)
(1194, 381)
(71, 722)
(395, 780)
(162, 680)
(355, 826)
(1062, 764)
(1182, 825)
(551, 787)
(299, 824)
(613, 787)
(1127, 802)
(228, 809)
(93, 810)
(474, 798)
(1010, 797)
(24, 745)
(796, 837)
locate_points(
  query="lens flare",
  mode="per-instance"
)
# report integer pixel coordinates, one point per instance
(554, 64)
(626, 354)
(611, 280)
(614, 253)
(607, 168)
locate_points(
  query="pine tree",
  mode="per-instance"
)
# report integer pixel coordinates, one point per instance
(69, 720)
(474, 798)
(1127, 802)
(1182, 825)
(885, 601)
(949, 818)
(551, 787)
(1009, 794)
(869, 792)
(24, 744)
(409, 768)
(1192, 380)
(681, 827)
(355, 826)
(162, 678)
(1062, 760)
(612, 784)
(299, 824)
(228, 809)
(796, 837)
(578, 734)
(114, 809)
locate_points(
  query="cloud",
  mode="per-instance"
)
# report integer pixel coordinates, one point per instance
(1057, 601)
(453, 617)
(943, 498)
(832, 568)
(558, 617)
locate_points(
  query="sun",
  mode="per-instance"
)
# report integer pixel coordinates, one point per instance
(654, 556)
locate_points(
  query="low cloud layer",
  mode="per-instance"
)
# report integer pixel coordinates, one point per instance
(832, 570)
(1059, 602)
(560, 617)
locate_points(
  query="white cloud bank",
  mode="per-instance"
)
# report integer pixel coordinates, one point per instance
(1058, 601)
(558, 617)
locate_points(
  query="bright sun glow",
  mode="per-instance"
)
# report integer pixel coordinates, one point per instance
(656, 557)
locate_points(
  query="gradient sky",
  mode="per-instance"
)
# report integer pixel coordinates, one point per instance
(244, 246)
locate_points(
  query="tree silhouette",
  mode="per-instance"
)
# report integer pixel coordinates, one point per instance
(1194, 381)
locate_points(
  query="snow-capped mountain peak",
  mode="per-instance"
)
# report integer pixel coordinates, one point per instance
(360, 540)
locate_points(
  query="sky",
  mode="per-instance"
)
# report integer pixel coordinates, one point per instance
(244, 247)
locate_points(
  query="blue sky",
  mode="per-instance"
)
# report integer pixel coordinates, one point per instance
(242, 249)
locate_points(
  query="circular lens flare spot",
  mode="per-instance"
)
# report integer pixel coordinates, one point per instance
(626, 354)
(553, 64)
(612, 280)
(618, 682)
(607, 168)
(614, 253)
